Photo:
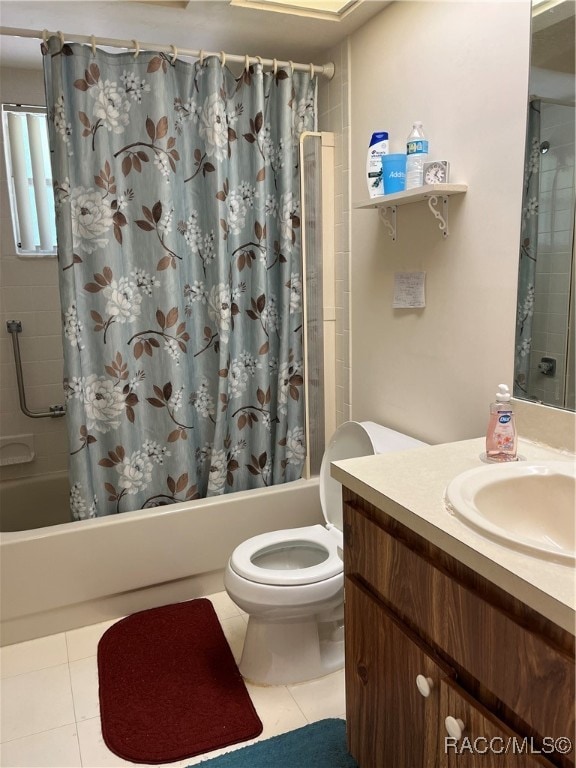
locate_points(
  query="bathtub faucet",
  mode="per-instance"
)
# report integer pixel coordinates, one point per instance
(14, 327)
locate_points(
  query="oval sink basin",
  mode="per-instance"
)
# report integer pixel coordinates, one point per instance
(524, 506)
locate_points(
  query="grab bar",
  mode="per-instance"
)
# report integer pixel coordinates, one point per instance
(14, 327)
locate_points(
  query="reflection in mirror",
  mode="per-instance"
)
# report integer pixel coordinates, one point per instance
(544, 365)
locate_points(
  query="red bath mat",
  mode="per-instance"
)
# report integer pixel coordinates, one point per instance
(169, 686)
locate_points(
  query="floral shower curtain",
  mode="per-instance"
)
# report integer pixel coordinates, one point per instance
(528, 253)
(177, 198)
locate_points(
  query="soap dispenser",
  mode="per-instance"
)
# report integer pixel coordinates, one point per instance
(501, 433)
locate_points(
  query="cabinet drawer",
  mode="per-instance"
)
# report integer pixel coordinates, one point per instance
(532, 678)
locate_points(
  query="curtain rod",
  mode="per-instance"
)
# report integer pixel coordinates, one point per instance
(327, 70)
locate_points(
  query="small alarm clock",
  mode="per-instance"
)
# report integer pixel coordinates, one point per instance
(436, 172)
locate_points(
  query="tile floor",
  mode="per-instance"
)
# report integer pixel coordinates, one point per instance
(49, 711)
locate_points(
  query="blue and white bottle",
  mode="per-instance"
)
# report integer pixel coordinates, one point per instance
(416, 156)
(378, 146)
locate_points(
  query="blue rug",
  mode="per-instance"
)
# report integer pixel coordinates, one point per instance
(318, 745)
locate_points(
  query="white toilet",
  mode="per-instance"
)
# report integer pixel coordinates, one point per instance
(291, 582)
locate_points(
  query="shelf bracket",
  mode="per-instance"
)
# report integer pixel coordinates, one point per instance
(389, 221)
(442, 217)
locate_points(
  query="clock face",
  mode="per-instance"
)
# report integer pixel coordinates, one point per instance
(435, 174)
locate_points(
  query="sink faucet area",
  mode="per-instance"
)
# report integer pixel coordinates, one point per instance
(525, 506)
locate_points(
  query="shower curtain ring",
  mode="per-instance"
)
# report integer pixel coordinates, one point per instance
(291, 67)
(275, 66)
(174, 53)
(246, 63)
(259, 60)
(61, 36)
(201, 57)
(311, 71)
(93, 44)
(222, 58)
(44, 36)
(137, 47)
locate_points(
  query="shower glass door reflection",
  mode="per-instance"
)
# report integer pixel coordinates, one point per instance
(551, 369)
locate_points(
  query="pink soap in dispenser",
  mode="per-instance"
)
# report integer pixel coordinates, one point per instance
(501, 432)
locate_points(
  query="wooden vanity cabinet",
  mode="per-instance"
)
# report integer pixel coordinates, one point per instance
(489, 661)
(383, 660)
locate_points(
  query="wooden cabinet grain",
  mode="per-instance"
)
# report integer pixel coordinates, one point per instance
(382, 664)
(411, 609)
(488, 742)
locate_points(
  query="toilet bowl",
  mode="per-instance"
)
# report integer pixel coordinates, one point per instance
(291, 582)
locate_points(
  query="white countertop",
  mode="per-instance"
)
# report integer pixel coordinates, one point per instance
(410, 486)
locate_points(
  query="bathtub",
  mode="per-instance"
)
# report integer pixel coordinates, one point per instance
(70, 574)
(34, 502)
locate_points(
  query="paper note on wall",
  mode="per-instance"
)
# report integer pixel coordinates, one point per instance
(409, 290)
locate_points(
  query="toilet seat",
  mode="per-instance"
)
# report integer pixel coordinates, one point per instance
(312, 536)
(294, 549)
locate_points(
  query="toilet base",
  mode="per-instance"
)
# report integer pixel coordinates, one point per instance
(281, 653)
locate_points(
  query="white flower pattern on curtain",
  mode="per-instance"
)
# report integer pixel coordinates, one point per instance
(177, 197)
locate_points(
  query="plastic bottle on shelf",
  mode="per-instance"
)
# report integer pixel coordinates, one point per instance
(501, 433)
(378, 146)
(416, 156)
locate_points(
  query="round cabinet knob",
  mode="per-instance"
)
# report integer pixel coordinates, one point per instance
(454, 727)
(424, 685)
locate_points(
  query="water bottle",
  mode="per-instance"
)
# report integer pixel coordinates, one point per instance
(416, 156)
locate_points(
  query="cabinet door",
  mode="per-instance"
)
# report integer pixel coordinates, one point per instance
(485, 741)
(390, 723)
(522, 660)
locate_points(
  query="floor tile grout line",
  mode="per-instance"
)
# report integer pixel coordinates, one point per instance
(76, 716)
(67, 647)
(298, 705)
(37, 733)
(80, 746)
(73, 697)
(31, 671)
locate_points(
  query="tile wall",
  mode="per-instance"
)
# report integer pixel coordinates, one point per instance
(29, 293)
(333, 116)
(555, 253)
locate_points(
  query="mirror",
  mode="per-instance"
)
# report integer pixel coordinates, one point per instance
(544, 369)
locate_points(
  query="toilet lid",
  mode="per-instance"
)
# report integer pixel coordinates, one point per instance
(349, 441)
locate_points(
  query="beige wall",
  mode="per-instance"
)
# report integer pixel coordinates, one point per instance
(29, 293)
(461, 68)
(334, 116)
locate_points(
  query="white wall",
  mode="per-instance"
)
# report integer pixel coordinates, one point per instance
(462, 68)
(29, 292)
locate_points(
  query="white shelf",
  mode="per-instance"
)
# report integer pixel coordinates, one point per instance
(435, 194)
(414, 195)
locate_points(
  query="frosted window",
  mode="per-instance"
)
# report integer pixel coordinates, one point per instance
(29, 178)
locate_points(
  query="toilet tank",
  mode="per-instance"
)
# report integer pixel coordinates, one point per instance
(353, 439)
(386, 440)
